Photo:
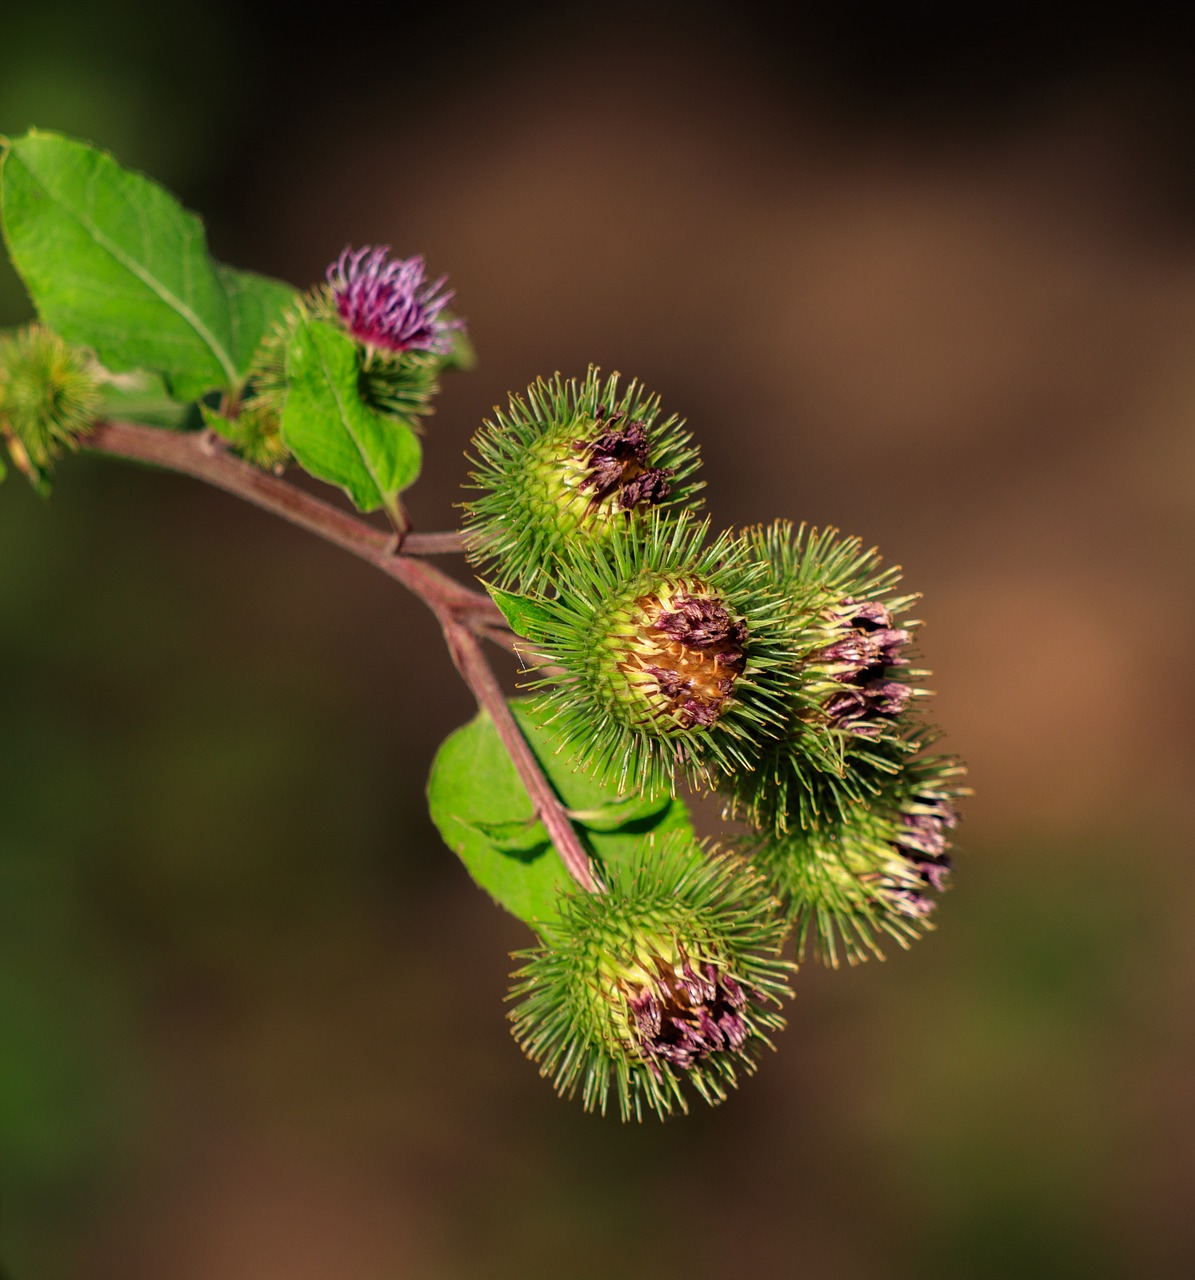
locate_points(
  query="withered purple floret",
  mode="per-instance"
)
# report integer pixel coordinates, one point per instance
(618, 465)
(922, 838)
(685, 1017)
(867, 645)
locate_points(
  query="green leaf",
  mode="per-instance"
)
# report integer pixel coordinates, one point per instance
(141, 397)
(485, 816)
(332, 432)
(619, 813)
(113, 262)
(255, 305)
(524, 615)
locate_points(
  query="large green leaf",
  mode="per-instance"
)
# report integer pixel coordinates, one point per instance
(255, 303)
(332, 432)
(486, 817)
(113, 262)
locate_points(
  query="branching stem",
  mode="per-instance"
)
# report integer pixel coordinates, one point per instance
(464, 615)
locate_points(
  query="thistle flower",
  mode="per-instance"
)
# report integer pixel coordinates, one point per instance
(842, 734)
(49, 394)
(667, 656)
(873, 871)
(396, 317)
(670, 977)
(566, 466)
(389, 304)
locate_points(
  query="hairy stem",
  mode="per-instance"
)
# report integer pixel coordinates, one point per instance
(464, 615)
(479, 676)
(202, 456)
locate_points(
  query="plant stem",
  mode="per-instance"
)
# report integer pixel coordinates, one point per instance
(196, 454)
(464, 615)
(479, 676)
(433, 544)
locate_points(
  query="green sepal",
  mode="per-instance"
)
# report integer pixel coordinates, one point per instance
(810, 772)
(485, 816)
(49, 394)
(525, 615)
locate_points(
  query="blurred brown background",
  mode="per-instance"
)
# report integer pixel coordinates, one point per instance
(929, 282)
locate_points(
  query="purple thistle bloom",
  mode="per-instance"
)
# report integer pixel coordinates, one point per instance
(390, 304)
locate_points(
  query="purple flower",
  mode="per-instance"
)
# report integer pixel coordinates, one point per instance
(389, 303)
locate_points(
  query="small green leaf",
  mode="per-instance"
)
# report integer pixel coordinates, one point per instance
(485, 816)
(619, 813)
(255, 303)
(524, 615)
(527, 838)
(332, 432)
(113, 262)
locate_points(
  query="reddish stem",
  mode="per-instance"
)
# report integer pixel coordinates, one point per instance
(463, 614)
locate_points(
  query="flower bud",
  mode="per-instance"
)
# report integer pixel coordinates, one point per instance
(847, 706)
(875, 870)
(49, 394)
(565, 467)
(670, 977)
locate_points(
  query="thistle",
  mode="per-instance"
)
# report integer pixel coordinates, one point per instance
(875, 871)
(395, 315)
(669, 978)
(670, 657)
(843, 731)
(49, 394)
(567, 466)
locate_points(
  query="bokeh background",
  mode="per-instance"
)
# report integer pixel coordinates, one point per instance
(929, 281)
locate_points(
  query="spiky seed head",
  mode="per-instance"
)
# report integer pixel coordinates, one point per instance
(670, 978)
(668, 657)
(676, 653)
(49, 393)
(874, 870)
(566, 465)
(844, 720)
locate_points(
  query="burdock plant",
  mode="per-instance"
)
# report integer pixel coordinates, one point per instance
(773, 666)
